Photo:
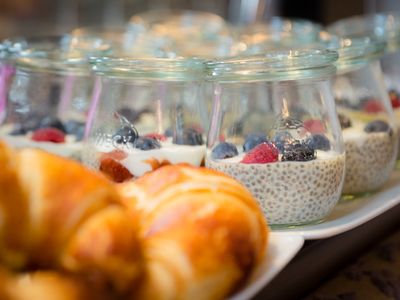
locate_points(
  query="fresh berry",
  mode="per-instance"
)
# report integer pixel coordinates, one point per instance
(314, 126)
(143, 143)
(261, 154)
(189, 136)
(52, 122)
(344, 121)
(282, 138)
(372, 106)
(224, 150)
(253, 140)
(156, 136)
(112, 168)
(76, 128)
(318, 142)
(48, 135)
(377, 126)
(298, 152)
(125, 135)
(394, 99)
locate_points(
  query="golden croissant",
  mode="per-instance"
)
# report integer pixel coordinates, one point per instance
(177, 233)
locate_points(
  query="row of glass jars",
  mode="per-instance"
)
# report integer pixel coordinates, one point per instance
(269, 120)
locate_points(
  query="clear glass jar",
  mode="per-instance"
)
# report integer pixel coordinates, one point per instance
(274, 127)
(50, 92)
(187, 33)
(384, 27)
(369, 131)
(145, 113)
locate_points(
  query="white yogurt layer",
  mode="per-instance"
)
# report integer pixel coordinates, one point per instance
(70, 148)
(138, 161)
(290, 192)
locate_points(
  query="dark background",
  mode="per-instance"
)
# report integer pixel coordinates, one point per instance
(34, 17)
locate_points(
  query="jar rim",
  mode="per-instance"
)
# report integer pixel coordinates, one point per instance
(174, 69)
(275, 65)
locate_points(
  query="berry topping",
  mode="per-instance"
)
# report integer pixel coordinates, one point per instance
(318, 142)
(126, 134)
(282, 138)
(52, 122)
(344, 121)
(48, 135)
(261, 154)
(377, 126)
(156, 136)
(112, 168)
(76, 128)
(372, 106)
(189, 136)
(298, 152)
(224, 150)
(143, 143)
(314, 126)
(394, 99)
(253, 140)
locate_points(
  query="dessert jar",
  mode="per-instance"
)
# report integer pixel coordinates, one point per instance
(366, 116)
(385, 27)
(145, 113)
(183, 33)
(50, 92)
(274, 127)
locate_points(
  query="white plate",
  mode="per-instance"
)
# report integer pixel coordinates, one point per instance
(350, 214)
(281, 249)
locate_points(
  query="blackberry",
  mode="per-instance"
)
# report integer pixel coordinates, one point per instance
(298, 151)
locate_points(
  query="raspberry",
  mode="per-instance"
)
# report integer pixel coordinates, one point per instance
(394, 99)
(48, 134)
(314, 126)
(261, 154)
(156, 136)
(112, 168)
(372, 106)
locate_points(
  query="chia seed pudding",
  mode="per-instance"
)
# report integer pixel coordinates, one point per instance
(370, 158)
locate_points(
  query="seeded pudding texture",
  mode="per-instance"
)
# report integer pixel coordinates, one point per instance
(290, 192)
(370, 159)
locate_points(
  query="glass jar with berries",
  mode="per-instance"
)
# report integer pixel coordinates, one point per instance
(386, 28)
(50, 93)
(366, 116)
(274, 127)
(145, 113)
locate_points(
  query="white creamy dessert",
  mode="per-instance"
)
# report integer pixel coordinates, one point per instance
(290, 192)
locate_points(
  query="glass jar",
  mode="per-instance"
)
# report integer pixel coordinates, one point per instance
(50, 93)
(274, 127)
(367, 121)
(145, 113)
(188, 33)
(384, 27)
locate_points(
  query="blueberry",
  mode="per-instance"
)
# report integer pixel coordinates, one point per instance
(377, 126)
(52, 122)
(318, 142)
(281, 139)
(298, 152)
(224, 150)
(344, 121)
(253, 140)
(189, 136)
(76, 128)
(125, 135)
(147, 143)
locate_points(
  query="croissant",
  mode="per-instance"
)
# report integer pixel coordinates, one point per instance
(202, 232)
(54, 213)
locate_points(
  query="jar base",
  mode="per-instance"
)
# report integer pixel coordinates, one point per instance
(295, 225)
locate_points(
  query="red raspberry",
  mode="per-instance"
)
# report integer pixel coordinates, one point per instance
(48, 134)
(394, 99)
(314, 126)
(261, 154)
(372, 106)
(156, 136)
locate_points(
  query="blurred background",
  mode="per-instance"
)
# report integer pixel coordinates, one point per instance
(34, 17)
